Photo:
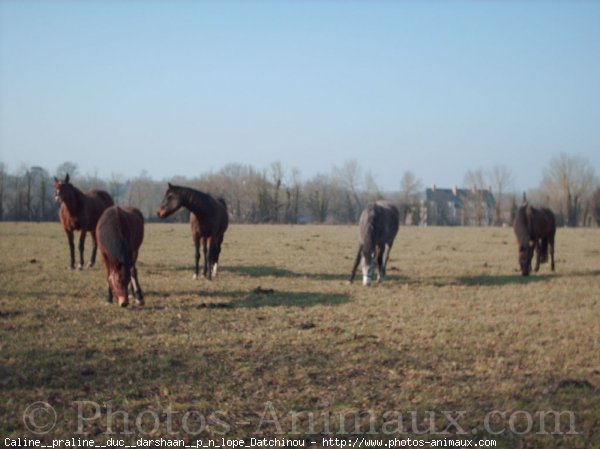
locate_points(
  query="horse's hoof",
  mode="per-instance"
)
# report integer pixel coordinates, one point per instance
(80, 267)
(195, 277)
(90, 265)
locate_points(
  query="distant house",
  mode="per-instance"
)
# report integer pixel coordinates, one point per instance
(458, 207)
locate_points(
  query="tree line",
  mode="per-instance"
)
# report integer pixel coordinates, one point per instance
(277, 194)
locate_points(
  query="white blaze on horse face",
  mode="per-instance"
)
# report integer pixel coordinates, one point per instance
(367, 271)
(114, 281)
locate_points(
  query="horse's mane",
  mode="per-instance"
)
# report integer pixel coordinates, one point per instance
(113, 238)
(77, 197)
(367, 227)
(196, 200)
(522, 223)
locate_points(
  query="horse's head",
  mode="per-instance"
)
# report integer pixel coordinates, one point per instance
(368, 261)
(525, 256)
(170, 202)
(63, 190)
(119, 278)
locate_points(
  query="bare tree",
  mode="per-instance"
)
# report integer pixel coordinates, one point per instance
(116, 187)
(294, 186)
(318, 192)
(569, 181)
(276, 174)
(410, 189)
(3, 176)
(143, 194)
(371, 191)
(475, 180)
(348, 178)
(501, 180)
(66, 167)
(595, 206)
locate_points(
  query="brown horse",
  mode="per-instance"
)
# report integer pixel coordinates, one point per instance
(120, 234)
(209, 220)
(535, 230)
(80, 211)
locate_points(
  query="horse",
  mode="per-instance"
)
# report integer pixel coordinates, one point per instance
(209, 220)
(535, 230)
(120, 233)
(80, 211)
(378, 226)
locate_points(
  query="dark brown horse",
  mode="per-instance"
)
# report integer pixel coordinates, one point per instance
(377, 228)
(209, 220)
(120, 234)
(535, 230)
(80, 211)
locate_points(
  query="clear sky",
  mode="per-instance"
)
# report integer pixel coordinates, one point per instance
(184, 87)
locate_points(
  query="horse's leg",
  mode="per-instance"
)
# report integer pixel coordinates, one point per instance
(136, 286)
(356, 262)
(205, 254)
(538, 255)
(70, 238)
(215, 268)
(94, 249)
(379, 259)
(386, 256)
(196, 256)
(109, 298)
(214, 255)
(551, 248)
(208, 261)
(81, 246)
(544, 249)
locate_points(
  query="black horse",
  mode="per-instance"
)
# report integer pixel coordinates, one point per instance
(378, 226)
(209, 220)
(535, 230)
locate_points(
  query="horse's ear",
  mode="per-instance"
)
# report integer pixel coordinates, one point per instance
(56, 181)
(169, 184)
(67, 178)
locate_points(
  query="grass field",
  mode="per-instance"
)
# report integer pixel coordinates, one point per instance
(279, 344)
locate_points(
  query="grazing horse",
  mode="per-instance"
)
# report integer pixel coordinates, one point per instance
(378, 226)
(209, 220)
(535, 230)
(80, 211)
(120, 233)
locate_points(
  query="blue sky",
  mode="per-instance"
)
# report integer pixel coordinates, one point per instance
(184, 87)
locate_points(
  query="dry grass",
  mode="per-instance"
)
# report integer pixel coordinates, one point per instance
(454, 328)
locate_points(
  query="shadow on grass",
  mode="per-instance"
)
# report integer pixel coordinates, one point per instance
(486, 279)
(263, 271)
(260, 297)
(291, 299)
(260, 271)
